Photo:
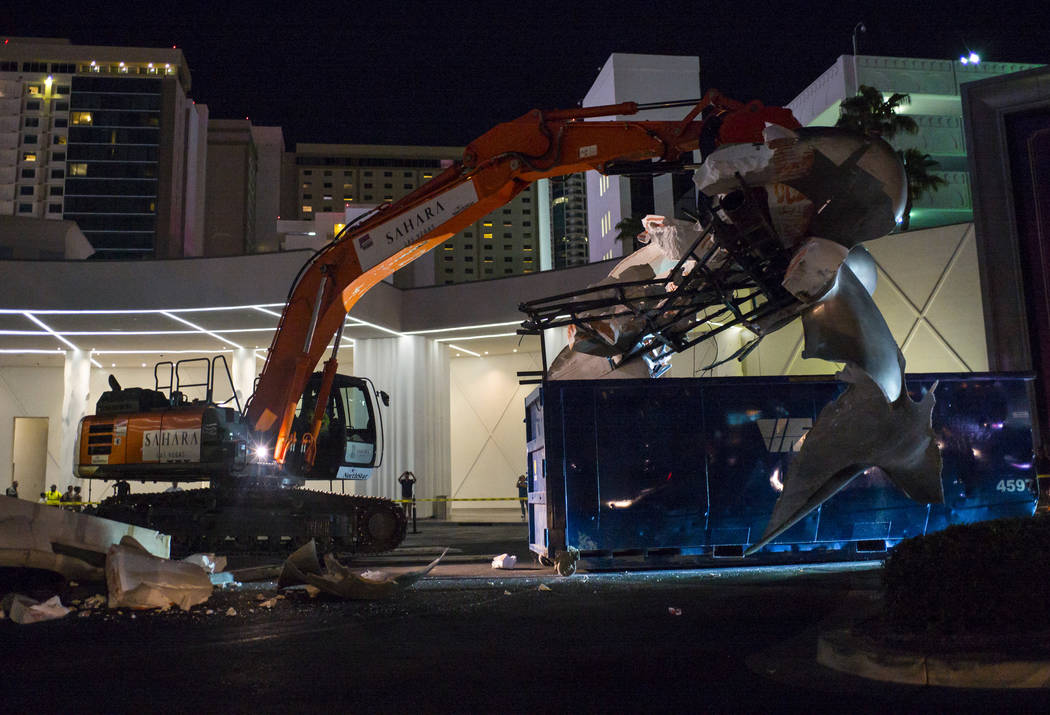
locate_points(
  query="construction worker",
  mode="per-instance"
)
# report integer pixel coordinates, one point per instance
(53, 497)
(523, 493)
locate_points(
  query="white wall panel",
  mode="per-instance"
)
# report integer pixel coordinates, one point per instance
(488, 428)
(415, 372)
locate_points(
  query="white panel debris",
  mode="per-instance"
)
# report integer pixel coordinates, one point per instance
(504, 561)
(139, 580)
(67, 542)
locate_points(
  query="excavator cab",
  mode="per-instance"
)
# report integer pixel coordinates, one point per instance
(349, 444)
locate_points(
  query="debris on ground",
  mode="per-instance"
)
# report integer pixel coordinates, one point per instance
(674, 611)
(544, 587)
(231, 611)
(70, 543)
(139, 580)
(24, 610)
(504, 561)
(303, 567)
(209, 562)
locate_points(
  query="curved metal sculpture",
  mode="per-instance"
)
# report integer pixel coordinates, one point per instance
(779, 234)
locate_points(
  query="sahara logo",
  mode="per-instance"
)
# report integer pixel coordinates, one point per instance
(785, 434)
(171, 445)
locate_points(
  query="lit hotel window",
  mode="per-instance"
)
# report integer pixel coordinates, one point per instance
(29, 156)
(78, 169)
(80, 118)
(308, 209)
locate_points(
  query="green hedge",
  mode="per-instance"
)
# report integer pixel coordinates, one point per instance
(988, 575)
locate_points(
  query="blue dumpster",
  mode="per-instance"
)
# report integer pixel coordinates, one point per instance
(686, 471)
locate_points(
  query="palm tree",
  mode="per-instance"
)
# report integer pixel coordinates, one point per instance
(629, 228)
(920, 181)
(869, 113)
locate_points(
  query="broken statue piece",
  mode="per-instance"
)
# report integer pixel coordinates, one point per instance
(302, 567)
(858, 431)
(139, 580)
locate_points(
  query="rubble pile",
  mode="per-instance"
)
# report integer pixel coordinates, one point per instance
(131, 566)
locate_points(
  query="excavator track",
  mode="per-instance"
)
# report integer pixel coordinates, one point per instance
(262, 520)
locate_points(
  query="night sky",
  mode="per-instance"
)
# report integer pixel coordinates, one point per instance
(436, 73)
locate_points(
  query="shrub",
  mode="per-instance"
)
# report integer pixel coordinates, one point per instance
(982, 576)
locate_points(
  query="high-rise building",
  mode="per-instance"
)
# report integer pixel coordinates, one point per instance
(230, 206)
(331, 177)
(610, 199)
(568, 211)
(106, 137)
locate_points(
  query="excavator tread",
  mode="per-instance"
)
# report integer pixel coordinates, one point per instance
(225, 520)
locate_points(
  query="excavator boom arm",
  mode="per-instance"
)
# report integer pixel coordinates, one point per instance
(495, 168)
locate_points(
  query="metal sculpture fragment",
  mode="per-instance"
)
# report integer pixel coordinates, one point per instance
(781, 220)
(303, 567)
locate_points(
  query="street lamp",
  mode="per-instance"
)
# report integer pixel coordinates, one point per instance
(972, 59)
(859, 27)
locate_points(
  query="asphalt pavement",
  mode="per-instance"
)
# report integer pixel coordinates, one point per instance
(470, 638)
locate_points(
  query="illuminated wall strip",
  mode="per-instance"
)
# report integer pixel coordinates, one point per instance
(477, 337)
(114, 311)
(206, 332)
(464, 327)
(49, 330)
(31, 351)
(261, 309)
(358, 321)
(206, 351)
(123, 333)
(464, 350)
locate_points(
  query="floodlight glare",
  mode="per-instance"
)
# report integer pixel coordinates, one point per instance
(974, 58)
(965, 60)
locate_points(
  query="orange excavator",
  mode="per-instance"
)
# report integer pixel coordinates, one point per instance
(301, 424)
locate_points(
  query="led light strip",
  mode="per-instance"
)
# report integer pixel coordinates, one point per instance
(116, 311)
(477, 337)
(199, 328)
(465, 327)
(464, 350)
(266, 308)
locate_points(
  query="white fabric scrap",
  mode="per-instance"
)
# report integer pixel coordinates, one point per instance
(717, 175)
(672, 236)
(139, 580)
(504, 561)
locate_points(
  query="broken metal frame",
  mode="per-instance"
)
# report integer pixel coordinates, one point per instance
(669, 317)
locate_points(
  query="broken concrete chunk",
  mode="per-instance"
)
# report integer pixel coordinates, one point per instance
(504, 561)
(24, 610)
(66, 542)
(137, 579)
(302, 567)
